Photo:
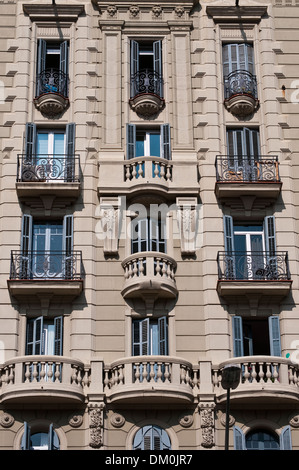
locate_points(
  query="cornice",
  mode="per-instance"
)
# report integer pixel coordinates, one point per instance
(52, 12)
(103, 4)
(233, 14)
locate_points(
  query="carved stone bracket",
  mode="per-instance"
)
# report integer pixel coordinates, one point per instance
(96, 423)
(188, 224)
(110, 224)
(207, 424)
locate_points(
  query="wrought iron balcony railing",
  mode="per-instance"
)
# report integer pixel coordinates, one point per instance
(253, 266)
(146, 81)
(52, 81)
(245, 168)
(240, 82)
(38, 168)
(46, 265)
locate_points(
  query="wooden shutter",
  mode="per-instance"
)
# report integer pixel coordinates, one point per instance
(229, 261)
(41, 63)
(64, 57)
(163, 336)
(270, 236)
(67, 246)
(34, 340)
(274, 335)
(141, 337)
(165, 141)
(131, 141)
(237, 57)
(239, 439)
(70, 152)
(157, 49)
(26, 248)
(25, 443)
(134, 65)
(286, 438)
(58, 327)
(237, 329)
(30, 142)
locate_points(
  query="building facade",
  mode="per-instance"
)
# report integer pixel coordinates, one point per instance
(149, 224)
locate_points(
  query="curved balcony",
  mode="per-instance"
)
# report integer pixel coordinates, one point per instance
(242, 176)
(262, 273)
(43, 379)
(151, 379)
(240, 93)
(146, 92)
(49, 178)
(51, 92)
(264, 379)
(55, 274)
(149, 276)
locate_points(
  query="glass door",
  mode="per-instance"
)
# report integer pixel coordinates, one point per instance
(47, 249)
(50, 155)
(250, 247)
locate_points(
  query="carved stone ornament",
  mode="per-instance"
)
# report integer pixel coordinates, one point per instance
(157, 11)
(187, 220)
(207, 424)
(241, 105)
(75, 421)
(109, 226)
(186, 421)
(117, 420)
(134, 11)
(51, 104)
(231, 420)
(96, 425)
(6, 420)
(294, 421)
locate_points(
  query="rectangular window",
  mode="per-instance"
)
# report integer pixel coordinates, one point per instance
(148, 235)
(44, 337)
(150, 337)
(146, 67)
(143, 142)
(52, 67)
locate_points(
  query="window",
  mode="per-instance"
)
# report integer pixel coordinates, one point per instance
(150, 337)
(243, 146)
(238, 70)
(46, 440)
(151, 438)
(250, 249)
(52, 68)
(44, 337)
(148, 235)
(261, 439)
(256, 336)
(49, 154)
(143, 142)
(46, 248)
(146, 67)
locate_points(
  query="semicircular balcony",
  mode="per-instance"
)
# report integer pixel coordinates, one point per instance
(147, 92)
(51, 92)
(151, 379)
(43, 379)
(264, 379)
(240, 93)
(150, 276)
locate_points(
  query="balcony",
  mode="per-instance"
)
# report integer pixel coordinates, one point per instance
(146, 92)
(51, 92)
(151, 379)
(48, 178)
(250, 273)
(240, 93)
(43, 379)
(243, 176)
(264, 379)
(145, 175)
(149, 276)
(53, 274)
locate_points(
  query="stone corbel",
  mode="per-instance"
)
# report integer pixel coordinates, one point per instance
(96, 424)
(188, 224)
(207, 420)
(110, 213)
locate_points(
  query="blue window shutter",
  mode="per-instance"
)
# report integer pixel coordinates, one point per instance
(64, 49)
(41, 55)
(131, 141)
(26, 234)
(163, 336)
(68, 229)
(228, 234)
(286, 439)
(58, 327)
(141, 337)
(270, 236)
(274, 335)
(237, 329)
(134, 65)
(70, 139)
(165, 141)
(30, 141)
(239, 439)
(237, 57)
(25, 443)
(34, 339)
(157, 49)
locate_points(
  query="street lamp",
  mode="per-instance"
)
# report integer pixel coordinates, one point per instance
(230, 380)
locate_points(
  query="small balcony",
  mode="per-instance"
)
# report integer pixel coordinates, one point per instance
(151, 379)
(52, 92)
(241, 176)
(54, 274)
(43, 379)
(145, 175)
(264, 379)
(240, 93)
(149, 276)
(147, 92)
(260, 273)
(48, 177)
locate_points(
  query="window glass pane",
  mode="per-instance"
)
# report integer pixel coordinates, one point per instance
(42, 144)
(140, 138)
(155, 145)
(59, 144)
(260, 440)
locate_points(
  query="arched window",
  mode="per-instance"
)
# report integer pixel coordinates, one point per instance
(151, 438)
(262, 440)
(43, 440)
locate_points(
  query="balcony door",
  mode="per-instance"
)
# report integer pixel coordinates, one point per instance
(150, 337)
(44, 337)
(146, 67)
(237, 57)
(142, 142)
(52, 67)
(243, 146)
(250, 249)
(148, 235)
(49, 153)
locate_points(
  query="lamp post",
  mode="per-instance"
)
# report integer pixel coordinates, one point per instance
(230, 380)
